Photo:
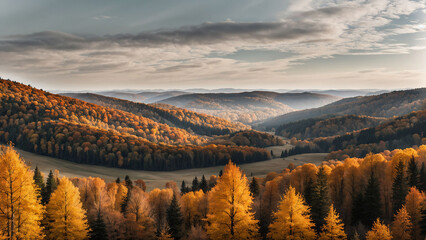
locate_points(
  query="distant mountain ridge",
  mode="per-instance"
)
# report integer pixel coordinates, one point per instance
(396, 103)
(248, 107)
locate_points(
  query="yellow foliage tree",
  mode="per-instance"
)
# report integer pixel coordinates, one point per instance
(401, 226)
(65, 214)
(20, 210)
(333, 228)
(292, 220)
(230, 215)
(379, 232)
(413, 203)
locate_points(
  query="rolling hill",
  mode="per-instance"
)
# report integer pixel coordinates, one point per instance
(74, 130)
(198, 123)
(386, 105)
(142, 97)
(249, 107)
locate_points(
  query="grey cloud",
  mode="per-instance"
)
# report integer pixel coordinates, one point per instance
(204, 34)
(178, 68)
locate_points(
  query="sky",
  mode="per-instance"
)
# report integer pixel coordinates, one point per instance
(179, 44)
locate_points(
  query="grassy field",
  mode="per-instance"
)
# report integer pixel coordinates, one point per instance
(158, 179)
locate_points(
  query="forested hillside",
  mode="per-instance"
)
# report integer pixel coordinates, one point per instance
(176, 117)
(248, 107)
(381, 196)
(78, 131)
(401, 132)
(142, 97)
(249, 138)
(327, 126)
(386, 105)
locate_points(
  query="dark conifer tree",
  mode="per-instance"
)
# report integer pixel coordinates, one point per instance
(128, 182)
(98, 229)
(175, 219)
(308, 193)
(422, 178)
(254, 187)
(220, 173)
(195, 184)
(372, 203)
(183, 187)
(320, 199)
(118, 180)
(357, 209)
(399, 187)
(412, 173)
(39, 182)
(51, 185)
(123, 205)
(203, 184)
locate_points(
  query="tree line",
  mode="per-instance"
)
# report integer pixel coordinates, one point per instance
(381, 196)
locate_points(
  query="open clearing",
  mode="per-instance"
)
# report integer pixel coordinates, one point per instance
(158, 179)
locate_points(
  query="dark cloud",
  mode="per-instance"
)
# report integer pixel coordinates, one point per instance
(204, 34)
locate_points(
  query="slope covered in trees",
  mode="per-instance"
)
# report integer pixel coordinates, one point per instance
(249, 138)
(386, 105)
(360, 193)
(82, 132)
(248, 107)
(328, 126)
(400, 132)
(176, 117)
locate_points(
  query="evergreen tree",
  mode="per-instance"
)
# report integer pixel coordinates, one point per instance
(183, 187)
(412, 173)
(39, 182)
(98, 229)
(203, 184)
(254, 187)
(422, 178)
(371, 201)
(123, 205)
(51, 185)
(320, 199)
(128, 182)
(308, 193)
(399, 187)
(195, 184)
(357, 208)
(220, 173)
(118, 180)
(175, 219)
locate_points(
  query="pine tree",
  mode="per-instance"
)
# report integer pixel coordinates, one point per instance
(183, 187)
(309, 191)
(175, 219)
(20, 210)
(357, 209)
(229, 213)
(220, 173)
(128, 182)
(333, 229)
(118, 180)
(379, 232)
(254, 187)
(65, 213)
(422, 178)
(39, 182)
(399, 187)
(195, 184)
(292, 220)
(203, 184)
(98, 229)
(320, 199)
(412, 173)
(371, 201)
(401, 226)
(51, 185)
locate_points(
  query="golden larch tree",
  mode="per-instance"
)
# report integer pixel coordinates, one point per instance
(65, 214)
(413, 203)
(230, 215)
(333, 228)
(379, 232)
(20, 209)
(401, 226)
(292, 220)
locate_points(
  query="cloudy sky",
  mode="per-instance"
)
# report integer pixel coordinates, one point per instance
(274, 44)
